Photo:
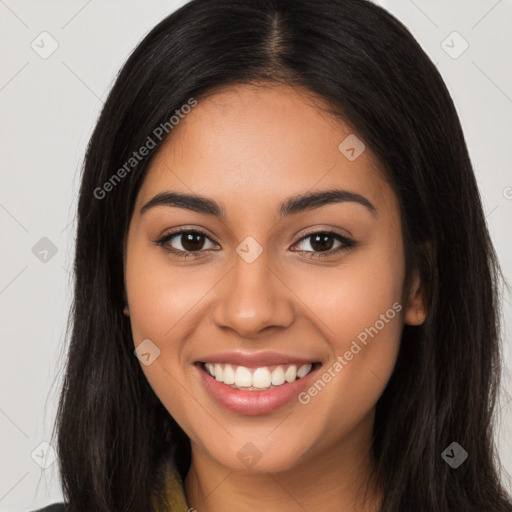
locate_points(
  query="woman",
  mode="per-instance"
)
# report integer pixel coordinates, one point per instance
(286, 293)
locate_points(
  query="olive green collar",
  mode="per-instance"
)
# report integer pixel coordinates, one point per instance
(174, 492)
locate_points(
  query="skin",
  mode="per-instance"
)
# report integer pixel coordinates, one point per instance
(249, 148)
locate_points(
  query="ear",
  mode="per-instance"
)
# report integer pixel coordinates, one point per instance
(415, 310)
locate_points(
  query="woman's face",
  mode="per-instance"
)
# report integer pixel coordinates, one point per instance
(271, 283)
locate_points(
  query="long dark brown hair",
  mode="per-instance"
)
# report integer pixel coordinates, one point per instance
(114, 435)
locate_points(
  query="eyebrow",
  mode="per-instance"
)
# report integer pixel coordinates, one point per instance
(290, 206)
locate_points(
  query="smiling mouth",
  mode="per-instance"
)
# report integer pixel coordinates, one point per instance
(257, 379)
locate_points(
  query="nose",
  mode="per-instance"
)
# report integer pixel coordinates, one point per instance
(253, 297)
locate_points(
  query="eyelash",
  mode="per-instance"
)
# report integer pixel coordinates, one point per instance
(347, 244)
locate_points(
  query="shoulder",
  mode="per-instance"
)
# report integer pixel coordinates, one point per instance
(54, 507)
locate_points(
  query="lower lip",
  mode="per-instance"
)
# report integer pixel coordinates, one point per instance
(253, 403)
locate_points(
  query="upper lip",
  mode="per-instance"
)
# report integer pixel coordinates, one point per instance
(254, 359)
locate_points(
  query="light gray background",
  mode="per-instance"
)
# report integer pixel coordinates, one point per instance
(48, 109)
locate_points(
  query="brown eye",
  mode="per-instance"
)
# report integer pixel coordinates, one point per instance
(323, 241)
(191, 241)
(185, 242)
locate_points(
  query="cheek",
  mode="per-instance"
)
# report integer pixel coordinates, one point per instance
(165, 302)
(161, 297)
(162, 302)
(359, 305)
(357, 294)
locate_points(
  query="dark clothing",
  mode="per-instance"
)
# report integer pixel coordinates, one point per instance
(55, 507)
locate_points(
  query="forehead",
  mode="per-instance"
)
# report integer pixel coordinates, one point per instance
(252, 145)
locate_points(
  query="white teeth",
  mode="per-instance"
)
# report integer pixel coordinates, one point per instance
(228, 375)
(291, 373)
(303, 370)
(261, 378)
(256, 378)
(278, 376)
(243, 377)
(218, 372)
